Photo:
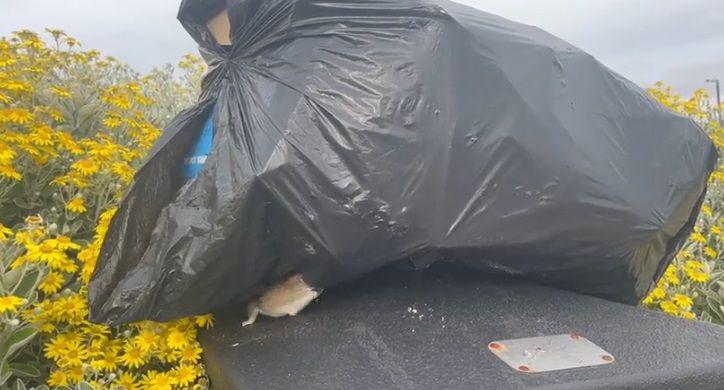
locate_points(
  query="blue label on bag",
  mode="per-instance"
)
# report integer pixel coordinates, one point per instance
(198, 154)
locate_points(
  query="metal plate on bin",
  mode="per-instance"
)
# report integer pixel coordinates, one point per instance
(550, 353)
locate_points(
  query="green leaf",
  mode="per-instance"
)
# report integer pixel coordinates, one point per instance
(28, 283)
(19, 385)
(84, 386)
(708, 293)
(18, 339)
(25, 370)
(5, 372)
(714, 309)
(22, 203)
(75, 227)
(715, 278)
(11, 277)
(706, 317)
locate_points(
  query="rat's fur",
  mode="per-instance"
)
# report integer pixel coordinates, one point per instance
(287, 298)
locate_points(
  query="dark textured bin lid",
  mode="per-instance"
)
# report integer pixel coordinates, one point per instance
(404, 329)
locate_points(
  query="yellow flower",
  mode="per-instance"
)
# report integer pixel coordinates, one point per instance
(18, 116)
(60, 92)
(99, 333)
(87, 271)
(86, 167)
(47, 252)
(34, 221)
(683, 301)
(706, 210)
(75, 373)
(101, 231)
(658, 293)
(168, 355)
(698, 237)
(147, 340)
(692, 265)
(16, 86)
(688, 315)
(76, 205)
(709, 251)
(56, 115)
(52, 283)
(698, 276)
(19, 262)
(4, 233)
(130, 155)
(9, 172)
(672, 277)
(177, 339)
(124, 171)
(102, 151)
(205, 321)
(74, 308)
(63, 264)
(7, 154)
(42, 135)
(191, 353)
(112, 122)
(108, 361)
(669, 307)
(185, 375)
(64, 243)
(133, 87)
(79, 181)
(126, 381)
(10, 303)
(66, 142)
(60, 181)
(58, 378)
(107, 216)
(158, 381)
(133, 357)
(88, 253)
(73, 355)
(55, 347)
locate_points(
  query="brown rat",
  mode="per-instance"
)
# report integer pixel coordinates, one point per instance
(286, 298)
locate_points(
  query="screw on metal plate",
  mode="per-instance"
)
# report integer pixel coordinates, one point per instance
(550, 353)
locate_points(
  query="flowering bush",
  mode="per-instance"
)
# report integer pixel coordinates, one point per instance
(74, 127)
(693, 286)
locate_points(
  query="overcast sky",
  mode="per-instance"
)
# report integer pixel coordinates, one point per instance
(679, 41)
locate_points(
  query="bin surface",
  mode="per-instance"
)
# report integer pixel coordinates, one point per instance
(404, 329)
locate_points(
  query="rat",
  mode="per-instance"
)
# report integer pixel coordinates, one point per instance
(286, 298)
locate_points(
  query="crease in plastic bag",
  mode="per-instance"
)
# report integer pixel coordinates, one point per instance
(351, 135)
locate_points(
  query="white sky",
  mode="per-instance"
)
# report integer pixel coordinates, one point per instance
(679, 41)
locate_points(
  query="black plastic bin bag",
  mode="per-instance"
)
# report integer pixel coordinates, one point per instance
(353, 134)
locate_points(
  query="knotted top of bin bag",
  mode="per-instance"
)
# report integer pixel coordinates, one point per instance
(354, 134)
